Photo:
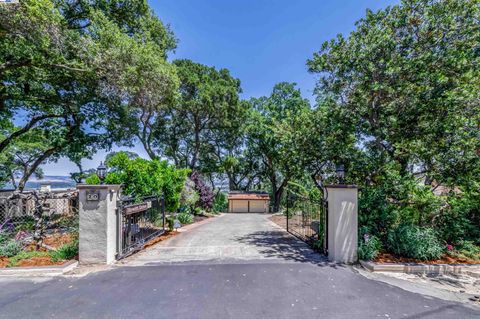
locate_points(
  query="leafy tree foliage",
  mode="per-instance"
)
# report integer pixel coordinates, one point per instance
(208, 110)
(141, 177)
(272, 122)
(408, 78)
(401, 93)
(67, 70)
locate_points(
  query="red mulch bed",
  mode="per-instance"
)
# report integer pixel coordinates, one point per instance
(446, 259)
(57, 240)
(38, 261)
(3, 262)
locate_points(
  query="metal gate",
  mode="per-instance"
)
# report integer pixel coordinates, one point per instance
(307, 219)
(139, 222)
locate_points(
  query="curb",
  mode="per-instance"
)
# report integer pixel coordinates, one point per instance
(40, 271)
(419, 268)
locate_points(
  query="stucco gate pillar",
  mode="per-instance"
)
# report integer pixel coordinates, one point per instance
(342, 234)
(98, 223)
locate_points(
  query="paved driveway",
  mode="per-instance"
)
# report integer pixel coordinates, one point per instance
(235, 266)
(229, 238)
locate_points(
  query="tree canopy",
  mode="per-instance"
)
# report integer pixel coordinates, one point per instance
(66, 71)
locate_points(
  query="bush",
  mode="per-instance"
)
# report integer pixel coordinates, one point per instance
(206, 194)
(369, 247)
(4, 237)
(141, 177)
(170, 223)
(185, 218)
(65, 252)
(460, 219)
(189, 197)
(415, 242)
(467, 249)
(220, 203)
(10, 248)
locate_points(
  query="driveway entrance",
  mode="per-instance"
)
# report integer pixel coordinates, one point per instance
(234, 266)
(229, 237)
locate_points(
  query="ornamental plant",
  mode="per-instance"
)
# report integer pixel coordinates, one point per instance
(369, 247)
(415, 242)
(206, 194)
(189, 196)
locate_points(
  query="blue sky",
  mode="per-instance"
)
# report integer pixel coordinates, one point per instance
(262, 42)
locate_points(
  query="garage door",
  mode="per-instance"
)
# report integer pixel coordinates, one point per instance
(240, 206)
(257, 206)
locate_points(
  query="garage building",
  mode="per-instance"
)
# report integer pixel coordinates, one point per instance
(248, 202)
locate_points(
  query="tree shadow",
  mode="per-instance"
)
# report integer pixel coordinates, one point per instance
(278, 244)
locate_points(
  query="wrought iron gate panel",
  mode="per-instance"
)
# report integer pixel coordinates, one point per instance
(307, 219)
(138, 223)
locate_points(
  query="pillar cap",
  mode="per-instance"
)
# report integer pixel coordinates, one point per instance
(341, 186)
(104, 186)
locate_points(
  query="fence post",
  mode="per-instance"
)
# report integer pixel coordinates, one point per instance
(163, 210)
(342, 223)
(288, 200)
(98, 231)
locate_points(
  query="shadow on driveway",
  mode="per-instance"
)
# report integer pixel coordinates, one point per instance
(276, 244)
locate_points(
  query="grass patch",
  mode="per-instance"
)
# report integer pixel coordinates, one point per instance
(65, 252)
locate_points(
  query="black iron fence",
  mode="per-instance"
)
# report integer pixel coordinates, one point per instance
(307, 219)
(139, 222)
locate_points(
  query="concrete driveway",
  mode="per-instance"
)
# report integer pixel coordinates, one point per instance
(229, 238)
(235, 266)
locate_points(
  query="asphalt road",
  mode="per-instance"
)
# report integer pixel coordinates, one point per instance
(258, 284)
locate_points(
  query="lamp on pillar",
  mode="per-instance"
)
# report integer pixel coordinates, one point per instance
(340, 171)
(102, 172)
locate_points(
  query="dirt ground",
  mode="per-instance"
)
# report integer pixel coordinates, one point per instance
(280, 220)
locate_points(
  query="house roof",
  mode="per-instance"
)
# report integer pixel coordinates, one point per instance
(250, 196)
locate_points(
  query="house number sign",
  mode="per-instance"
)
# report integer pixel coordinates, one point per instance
(93, 196)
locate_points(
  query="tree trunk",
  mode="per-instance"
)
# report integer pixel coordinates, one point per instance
(196, 150)
(30, 170)
(23, 130)
(148, 149)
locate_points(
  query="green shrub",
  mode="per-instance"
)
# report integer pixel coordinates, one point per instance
(27, 224)
(318, 245)
(185, 218)
(189, 197)
(369, 247)
(415, 242)
(170, 223)
(467, 249)
(460, 219)
(65, 252)
(141, 177)
(10, 248)
(4, 237)
(220, 203)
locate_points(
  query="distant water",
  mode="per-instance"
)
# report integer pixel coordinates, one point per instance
(54, 181)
